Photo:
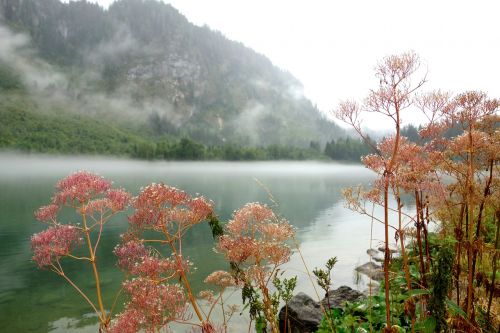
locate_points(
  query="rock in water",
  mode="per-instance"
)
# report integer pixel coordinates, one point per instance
(376, 255)
(372, 270)
(303, 315)
(339, 296)
(391, 249)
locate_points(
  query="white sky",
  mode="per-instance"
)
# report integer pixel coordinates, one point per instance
(333, 46)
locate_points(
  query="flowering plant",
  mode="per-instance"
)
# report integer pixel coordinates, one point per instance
(93, 199)
(255, 245)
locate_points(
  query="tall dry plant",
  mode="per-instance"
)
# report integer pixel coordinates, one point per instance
(470, 159)
(452, 177)
(394, 95)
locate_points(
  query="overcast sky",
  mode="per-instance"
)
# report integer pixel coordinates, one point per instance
(333, 46)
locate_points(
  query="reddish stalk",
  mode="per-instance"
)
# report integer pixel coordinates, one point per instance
(103, 317)
(486, 193)
(495, 261)
(470, 226)
(458, 251)
(403, 253)
(419, 240)
(185, 280)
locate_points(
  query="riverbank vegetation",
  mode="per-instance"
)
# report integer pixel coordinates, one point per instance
(443, 281)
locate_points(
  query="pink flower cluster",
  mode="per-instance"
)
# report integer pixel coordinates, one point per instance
(47, 213)
(118, 199)
(129, 321)
(114, 200)
(255, 234)
(130, 254)
(152, 305)
(411, 169)
(221, 279)
(159, 205)
(93, 193)
(81, 187)
(53, 243)
(136, 259)
(374, 194)
(100, 206)
(200, 209)
(250, 217)
(159, 195)
(374, 162)
(433, 130)
(237, 249)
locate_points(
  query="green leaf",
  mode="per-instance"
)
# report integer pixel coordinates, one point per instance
(455, 309)
(215, 226)
(336, 312)
(260, 325)
(417, 292)
(426, 326)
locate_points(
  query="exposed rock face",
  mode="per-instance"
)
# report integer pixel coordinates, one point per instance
(304, 314)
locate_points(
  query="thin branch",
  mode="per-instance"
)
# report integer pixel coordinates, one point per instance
(77, 258)
(81, 293)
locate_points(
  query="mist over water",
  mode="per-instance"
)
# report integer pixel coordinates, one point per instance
(307, 193)
(16, 164)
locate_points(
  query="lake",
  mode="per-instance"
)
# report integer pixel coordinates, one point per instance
(308, 193)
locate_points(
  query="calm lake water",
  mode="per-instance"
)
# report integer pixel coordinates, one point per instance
(308, 193)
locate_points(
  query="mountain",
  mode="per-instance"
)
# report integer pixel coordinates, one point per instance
(143, 66)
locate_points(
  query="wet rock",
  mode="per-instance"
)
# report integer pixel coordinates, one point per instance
(391, 249)
(372, 270)
(337, 298)
(304, 314)
(376, 255)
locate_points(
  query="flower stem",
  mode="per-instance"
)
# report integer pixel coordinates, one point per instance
(103, 317)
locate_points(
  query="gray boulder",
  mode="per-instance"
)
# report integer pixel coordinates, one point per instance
(304, 314)
(391, 249)
(376, 255)
(372, 270)
(337, 298)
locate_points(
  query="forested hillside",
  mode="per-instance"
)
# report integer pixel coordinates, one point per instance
(142, 66)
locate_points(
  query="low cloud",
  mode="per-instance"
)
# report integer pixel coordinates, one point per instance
(37, 75)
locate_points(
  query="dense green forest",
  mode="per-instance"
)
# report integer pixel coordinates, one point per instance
(34, 127)
(347, 149)
(24, 129)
